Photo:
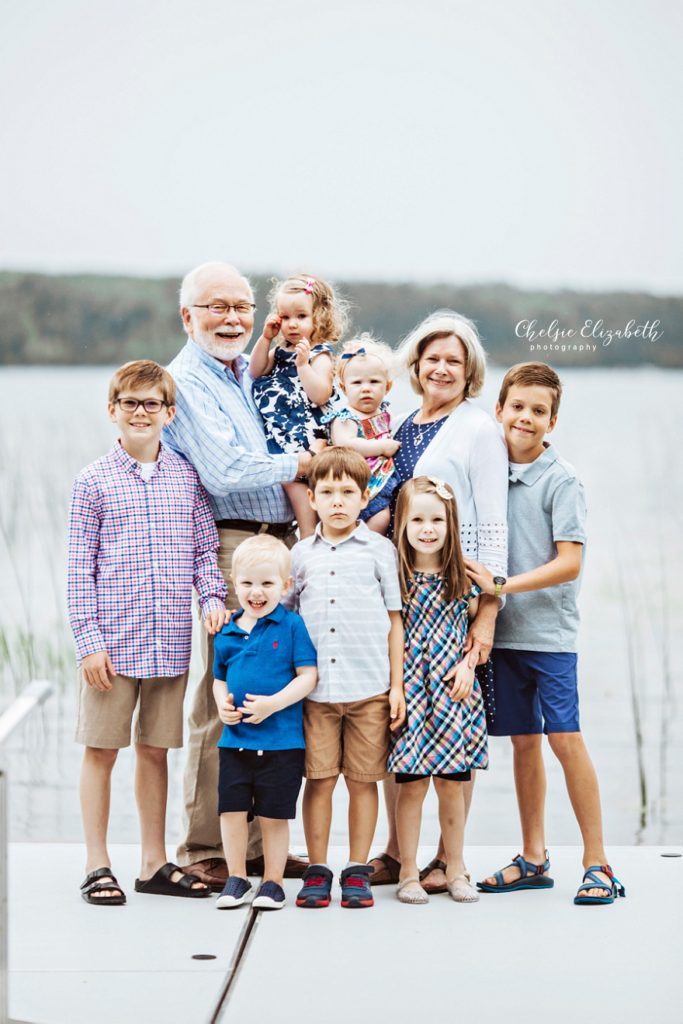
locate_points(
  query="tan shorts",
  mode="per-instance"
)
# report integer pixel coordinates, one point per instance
(347, 739)
(104, 718)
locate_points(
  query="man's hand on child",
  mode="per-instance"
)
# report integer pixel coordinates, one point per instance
(228, 713)
(397, 709)
(97, 668)
(463, 681)
(480, 575)
(215, 620)
(257, 708)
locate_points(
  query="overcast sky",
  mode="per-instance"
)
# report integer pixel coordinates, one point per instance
(536, 143)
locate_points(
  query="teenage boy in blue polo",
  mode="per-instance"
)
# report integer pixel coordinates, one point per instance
(264, 666)
(534, 657)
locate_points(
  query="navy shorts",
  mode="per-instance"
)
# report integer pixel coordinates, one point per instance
(265, 785)
(536, 691)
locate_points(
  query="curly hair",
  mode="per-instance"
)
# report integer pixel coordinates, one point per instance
(330, 311)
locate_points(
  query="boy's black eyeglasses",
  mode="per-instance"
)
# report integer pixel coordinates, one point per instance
(148, 404)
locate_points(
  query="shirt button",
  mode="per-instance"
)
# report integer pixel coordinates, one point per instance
(333, 549)
(333, 660)
(331, 600)
(332, 629)
(158, 643)
(332, 572)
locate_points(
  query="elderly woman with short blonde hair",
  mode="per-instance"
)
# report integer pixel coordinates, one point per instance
(451, 438)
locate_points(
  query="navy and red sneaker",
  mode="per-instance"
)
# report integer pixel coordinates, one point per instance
(317, 888)
(355, 887)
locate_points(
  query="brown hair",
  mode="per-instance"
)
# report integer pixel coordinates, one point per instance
(526, 375)
(452, 566)
(140, 374)
(330, 311)
(337, 463)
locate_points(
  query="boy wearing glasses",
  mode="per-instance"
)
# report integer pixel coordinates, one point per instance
(141, 535)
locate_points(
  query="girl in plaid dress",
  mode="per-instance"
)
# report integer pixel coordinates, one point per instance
(444, 736)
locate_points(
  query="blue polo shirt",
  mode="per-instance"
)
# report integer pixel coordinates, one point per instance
(262, 663)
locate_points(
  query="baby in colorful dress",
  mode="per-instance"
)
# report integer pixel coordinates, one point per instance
(364, 372)
(293, 379)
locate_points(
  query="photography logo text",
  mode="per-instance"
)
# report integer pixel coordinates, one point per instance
(553, 337)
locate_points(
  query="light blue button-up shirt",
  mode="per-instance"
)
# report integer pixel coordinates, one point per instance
(218, 429)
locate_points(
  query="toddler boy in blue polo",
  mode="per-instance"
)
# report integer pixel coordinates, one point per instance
(263, 662)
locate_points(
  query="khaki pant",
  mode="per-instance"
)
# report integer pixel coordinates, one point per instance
(200, 784)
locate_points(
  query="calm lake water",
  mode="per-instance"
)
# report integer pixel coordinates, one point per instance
(621, 429)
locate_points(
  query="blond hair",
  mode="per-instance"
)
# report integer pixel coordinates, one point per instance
(528, 375)
(330, 311)
(370, 347)
(140, 374)
(445, 323)
(452, 566)
(262, 547)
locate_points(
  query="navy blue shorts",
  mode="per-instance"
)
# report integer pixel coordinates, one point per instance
(265, 785)
(536, 691)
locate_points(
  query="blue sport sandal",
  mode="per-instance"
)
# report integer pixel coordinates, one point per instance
(355, 887)
(613, 888)
(317, 888)
(531, 876)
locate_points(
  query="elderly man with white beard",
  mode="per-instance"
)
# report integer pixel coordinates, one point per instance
(218, 429)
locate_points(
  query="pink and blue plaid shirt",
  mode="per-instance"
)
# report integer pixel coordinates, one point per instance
(136, 548)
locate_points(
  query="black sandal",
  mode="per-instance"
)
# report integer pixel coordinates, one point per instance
(91, 886)
(161, 884)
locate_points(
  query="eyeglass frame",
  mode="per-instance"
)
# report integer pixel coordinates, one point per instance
(141, 402)
(227, 307)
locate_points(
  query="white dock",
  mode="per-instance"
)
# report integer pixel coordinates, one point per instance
(523, 956)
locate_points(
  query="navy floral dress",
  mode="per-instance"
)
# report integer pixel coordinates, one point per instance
(292, 422)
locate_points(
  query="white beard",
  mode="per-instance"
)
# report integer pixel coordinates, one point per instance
(221, 349)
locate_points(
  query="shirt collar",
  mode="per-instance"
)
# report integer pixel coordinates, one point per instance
(215, 365)
(120, 455)
(361, 533)
(277, 615)
(534, 470)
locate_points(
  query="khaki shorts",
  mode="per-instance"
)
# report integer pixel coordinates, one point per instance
(347, 739)
(105, 717)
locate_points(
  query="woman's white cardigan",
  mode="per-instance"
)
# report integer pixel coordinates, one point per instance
(469, 453)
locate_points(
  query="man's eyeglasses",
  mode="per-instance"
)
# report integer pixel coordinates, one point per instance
(148, 404)
(221, 308)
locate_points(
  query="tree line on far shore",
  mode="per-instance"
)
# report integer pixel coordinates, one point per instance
(96, 319)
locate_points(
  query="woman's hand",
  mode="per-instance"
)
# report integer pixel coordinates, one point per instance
(480, 575)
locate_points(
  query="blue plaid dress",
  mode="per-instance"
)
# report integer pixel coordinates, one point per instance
(440, 734)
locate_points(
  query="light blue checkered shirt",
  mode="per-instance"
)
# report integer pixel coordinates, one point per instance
(218, 429)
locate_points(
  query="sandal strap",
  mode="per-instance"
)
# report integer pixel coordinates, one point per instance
(407, 881)
(614, 886)
(102, 887)
(185, 881)
(91, 879)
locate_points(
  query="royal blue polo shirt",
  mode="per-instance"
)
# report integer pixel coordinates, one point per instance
(262, 663)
